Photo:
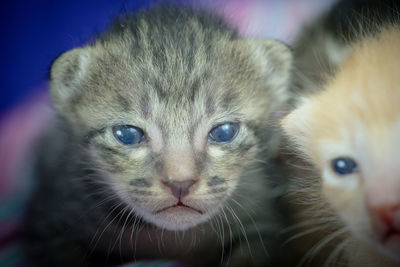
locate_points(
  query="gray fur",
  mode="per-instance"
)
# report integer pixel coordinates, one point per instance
(180, 72)
(215, 180)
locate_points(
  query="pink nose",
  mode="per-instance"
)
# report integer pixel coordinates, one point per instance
(179, 189)
(386, 217)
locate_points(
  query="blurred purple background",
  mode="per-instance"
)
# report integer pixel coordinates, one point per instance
(34, 32)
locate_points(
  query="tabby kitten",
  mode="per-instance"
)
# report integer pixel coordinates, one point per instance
(161, 146)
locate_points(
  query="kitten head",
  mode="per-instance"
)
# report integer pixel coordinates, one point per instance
(174, 106)
(351, 134)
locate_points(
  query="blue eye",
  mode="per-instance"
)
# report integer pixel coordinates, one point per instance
(344, 166)
(223, 133)
(128, 135)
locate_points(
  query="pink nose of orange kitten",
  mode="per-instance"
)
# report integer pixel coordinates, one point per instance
(383, 204)
(386, 224)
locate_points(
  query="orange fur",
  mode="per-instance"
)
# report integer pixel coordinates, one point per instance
(357, 115)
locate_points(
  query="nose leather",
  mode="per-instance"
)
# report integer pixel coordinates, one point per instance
(389, 215)
(179, 189)
(383, 203)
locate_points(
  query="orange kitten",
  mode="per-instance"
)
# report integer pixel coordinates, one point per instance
(350, 134)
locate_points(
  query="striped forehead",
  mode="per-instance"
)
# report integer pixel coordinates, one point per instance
(178, 116)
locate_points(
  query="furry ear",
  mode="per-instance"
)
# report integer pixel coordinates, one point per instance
(66, 73)
(275, 57)
(275, 62)
(296, 125)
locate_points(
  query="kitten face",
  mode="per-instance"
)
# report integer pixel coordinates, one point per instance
(165, 93)
(351, 133)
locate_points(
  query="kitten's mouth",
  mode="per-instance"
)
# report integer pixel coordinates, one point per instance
(392, 237)
(391, 241)
(179, 205)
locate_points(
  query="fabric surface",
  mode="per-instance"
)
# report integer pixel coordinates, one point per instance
(21, 127)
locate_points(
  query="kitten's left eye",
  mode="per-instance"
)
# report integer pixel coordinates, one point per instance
(128, 135)
(344, 166)
(224, 133)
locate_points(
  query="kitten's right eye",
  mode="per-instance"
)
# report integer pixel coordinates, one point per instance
(224, 133)
(128, 135)
(344, 166)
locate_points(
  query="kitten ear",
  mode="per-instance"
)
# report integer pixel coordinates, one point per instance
(275, 62)
(66, 73)
(296, 125)
(274, 56)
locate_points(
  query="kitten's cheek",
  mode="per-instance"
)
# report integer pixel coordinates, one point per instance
(217, 151)
(347, 182)
(342, 193)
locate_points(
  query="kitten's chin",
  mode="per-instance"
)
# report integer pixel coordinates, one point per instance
(173, 215)
(387, 239)
(392, 246)
(388, 246)
(176, 218)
